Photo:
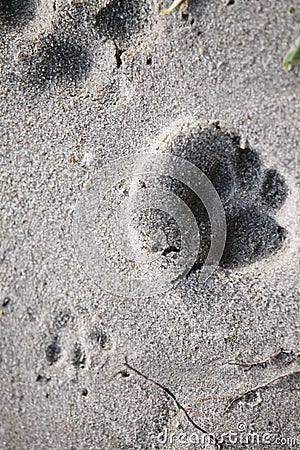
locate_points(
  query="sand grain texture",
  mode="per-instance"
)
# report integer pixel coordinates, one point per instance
(83, 83)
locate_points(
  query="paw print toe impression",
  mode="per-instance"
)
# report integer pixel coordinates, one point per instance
(250, 193)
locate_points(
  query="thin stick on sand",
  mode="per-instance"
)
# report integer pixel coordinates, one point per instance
(174, 5)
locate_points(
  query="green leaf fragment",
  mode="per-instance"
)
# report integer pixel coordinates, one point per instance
(178, 405)
(293, 54)
(228, 338)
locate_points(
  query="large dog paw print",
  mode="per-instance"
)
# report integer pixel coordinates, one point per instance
(66, 54)
(250, 193)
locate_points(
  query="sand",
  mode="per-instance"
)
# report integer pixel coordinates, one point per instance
(85, 83)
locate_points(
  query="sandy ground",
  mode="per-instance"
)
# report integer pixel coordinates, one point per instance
(84, 83)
